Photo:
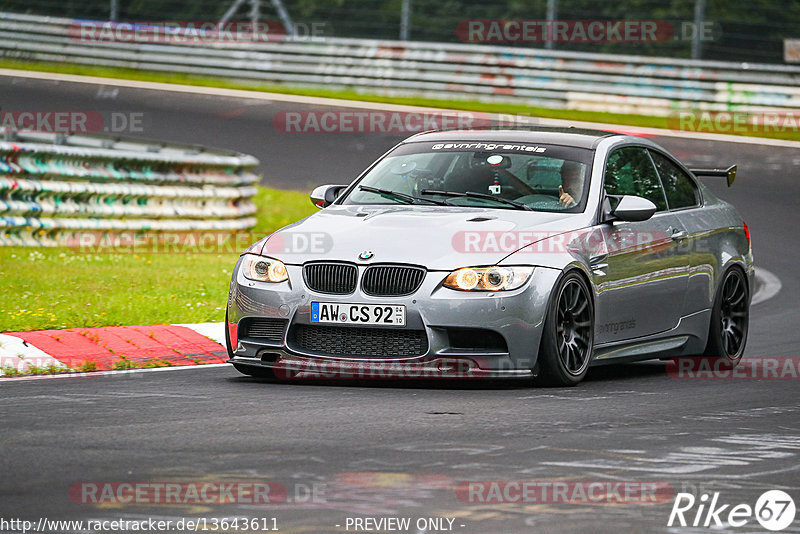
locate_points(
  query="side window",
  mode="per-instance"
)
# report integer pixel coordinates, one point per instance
(680, 189)
(629, 171)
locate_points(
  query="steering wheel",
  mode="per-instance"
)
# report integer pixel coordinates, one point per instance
(424, 179)
(545, 191)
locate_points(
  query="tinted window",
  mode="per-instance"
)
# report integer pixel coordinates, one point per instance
(629, 171)
(680, 189)
(543, 177)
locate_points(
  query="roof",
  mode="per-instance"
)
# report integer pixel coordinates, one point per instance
(577, 137)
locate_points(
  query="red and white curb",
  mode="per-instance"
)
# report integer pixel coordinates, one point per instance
(49, 352)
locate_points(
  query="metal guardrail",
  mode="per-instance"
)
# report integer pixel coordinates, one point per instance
(538, 77)
(53, 187)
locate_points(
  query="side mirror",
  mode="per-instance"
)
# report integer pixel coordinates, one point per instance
(632, 208)
(324, 195)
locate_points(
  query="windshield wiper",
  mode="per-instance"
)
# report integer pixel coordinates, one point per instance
(473, 194)
(408, 199)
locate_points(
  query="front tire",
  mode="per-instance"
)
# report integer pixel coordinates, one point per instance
(730, 317)
(568, 336)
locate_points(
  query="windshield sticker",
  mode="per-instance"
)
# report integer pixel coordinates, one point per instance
(487, 146)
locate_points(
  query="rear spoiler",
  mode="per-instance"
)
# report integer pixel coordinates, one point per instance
(729, 173)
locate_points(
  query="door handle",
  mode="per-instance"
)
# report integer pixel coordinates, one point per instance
(679, 235)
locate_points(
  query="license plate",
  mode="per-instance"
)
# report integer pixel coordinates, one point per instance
(343, 313)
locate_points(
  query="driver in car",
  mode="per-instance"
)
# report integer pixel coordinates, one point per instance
(569, 191)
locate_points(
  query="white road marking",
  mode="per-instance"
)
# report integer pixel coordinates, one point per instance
(337, 102)
(95, 374)
(768, 286)
(744, 451)
(762, 441)
(89, 398)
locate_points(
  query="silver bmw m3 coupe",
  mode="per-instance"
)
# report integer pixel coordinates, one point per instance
(498, 253)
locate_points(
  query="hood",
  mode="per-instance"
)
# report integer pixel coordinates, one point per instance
(439, 238)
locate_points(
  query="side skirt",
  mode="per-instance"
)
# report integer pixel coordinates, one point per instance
(687, 338)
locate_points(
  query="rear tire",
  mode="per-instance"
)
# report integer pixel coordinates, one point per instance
(568, 335)
(730, 318)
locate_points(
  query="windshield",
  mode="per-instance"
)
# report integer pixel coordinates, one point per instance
(479, 174)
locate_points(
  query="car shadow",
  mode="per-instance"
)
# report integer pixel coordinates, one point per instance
(622, 372)
(627, 371)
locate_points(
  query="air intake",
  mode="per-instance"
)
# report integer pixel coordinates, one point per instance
(352, 342)
(269, 329)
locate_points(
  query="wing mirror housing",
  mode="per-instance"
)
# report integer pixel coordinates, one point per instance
(629, 208)
(324, 195)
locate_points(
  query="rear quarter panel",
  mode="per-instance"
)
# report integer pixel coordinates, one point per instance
(717, 242)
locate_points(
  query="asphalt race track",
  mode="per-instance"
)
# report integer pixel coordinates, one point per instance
(389, 449)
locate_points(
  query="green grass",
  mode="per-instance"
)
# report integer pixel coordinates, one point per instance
(124, 363)
(466, 105)
(46, 288)
(277, 208)
(9, 370)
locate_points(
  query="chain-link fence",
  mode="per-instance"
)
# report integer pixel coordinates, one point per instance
(729, 30)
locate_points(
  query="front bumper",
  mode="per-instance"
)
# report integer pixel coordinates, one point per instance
(478, 334)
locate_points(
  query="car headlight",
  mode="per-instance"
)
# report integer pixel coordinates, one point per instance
(488, 278)
(263, 269)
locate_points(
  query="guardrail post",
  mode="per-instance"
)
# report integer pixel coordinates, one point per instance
(552, 10)
(405, 19)
(699, 20)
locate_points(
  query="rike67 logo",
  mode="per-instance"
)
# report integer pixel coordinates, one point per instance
(774, 510)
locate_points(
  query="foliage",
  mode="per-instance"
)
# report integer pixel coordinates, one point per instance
(744, 30)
